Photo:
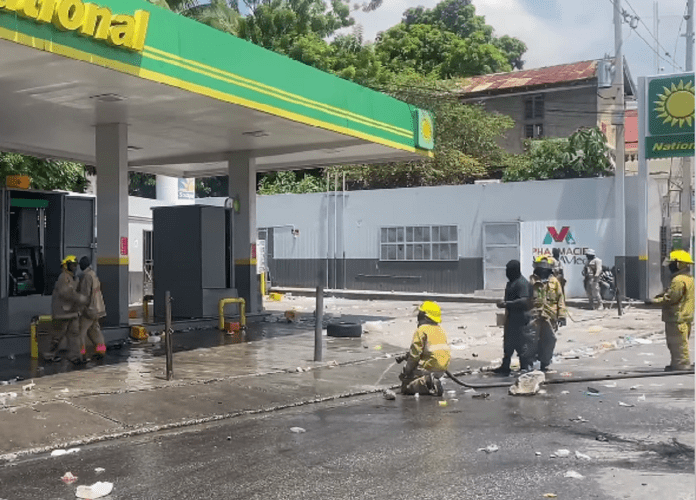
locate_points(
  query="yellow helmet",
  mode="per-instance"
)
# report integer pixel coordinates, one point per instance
(431, 310)
(680, 256)
(68, 259)
(544, 261)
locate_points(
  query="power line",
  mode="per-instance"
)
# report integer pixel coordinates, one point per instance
(653, 37)
(686, 11)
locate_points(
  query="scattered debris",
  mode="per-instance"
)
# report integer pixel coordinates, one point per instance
(550, 495)
(373, 326)
(641, 398)
(491, 448)
(566, 374)
(297, 430)
(97, 490)
(627, 405)
(565, 392)
(582, 456)
(389, 395)
(29, 386)
(613, 384)
(527, 384)
(481, 395)
(416, 396)
(592, 390)
(602, 438)
(99, 470)
(537, 453)
(68, 478)
(378, 347)
(58, 453)
(634, 387)
(573, 474)
(299, 370)
(456, 341)
(579, 419)
(442, 403)
(560, 454)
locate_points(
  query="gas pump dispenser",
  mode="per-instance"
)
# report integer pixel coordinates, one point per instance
(37, 229)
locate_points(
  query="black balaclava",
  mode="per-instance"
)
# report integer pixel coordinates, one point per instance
(512, 270)
(556, 253)
(84, 263)
(673, 267)
(542, 272)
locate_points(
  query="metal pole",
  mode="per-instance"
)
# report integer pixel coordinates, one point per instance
(168, 334)
(319, 316)
(656, 27)
(618, 122)
(688, 182)
(643, 186)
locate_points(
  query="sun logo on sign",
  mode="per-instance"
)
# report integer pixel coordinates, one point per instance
(676, 104)
(426, 129)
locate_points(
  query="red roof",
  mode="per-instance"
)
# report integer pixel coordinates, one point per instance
(552, 75)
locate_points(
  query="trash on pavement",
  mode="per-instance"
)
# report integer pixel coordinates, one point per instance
(416, 396)
(442, 403)
(450, 394)
(634, 387)
(613, 384)
(565, 392)
(29, 386)
(641, 398)
(389, 395)
(491, 448)
(560, 454)
(595, 329)
(537, 453)
(550, 495)
(573, 474)
(297, 430)
(593, 390)
(68, 478)
(99, 470)
(481, 395)
(58, 453)
(643, 341)
(627, 405)
(578, 419)
(527, 384)
(566, 374)
(97, 490)
(582, 456)
(290, 315)
(378, 347)
(373, 326)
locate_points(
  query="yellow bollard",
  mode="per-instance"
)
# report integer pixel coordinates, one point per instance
(34, 339)
(263, 284)
(242, 314)
(146, 307)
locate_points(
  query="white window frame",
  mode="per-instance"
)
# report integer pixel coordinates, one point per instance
(421, 243)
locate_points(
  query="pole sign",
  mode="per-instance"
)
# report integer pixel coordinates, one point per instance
(669, 106)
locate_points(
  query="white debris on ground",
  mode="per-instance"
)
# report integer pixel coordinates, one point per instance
(527, 384)
(491, 448)
(562, 453)
(297, 430)
(573, 474)
(97, 490)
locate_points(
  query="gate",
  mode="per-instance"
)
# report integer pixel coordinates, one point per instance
(501, 243)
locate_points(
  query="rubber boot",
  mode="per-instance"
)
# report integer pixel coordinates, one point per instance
(504, 369)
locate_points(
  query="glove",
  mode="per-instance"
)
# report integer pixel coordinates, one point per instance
(501, 304)
(562, 322)
(401, 358)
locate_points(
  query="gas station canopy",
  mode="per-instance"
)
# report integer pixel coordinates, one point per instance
(190, 95)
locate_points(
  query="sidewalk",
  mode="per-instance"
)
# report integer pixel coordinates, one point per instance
(224, 379)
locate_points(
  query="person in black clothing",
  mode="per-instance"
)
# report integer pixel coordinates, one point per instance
(517, 335)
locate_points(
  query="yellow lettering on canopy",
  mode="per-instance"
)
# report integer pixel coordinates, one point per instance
(69, 15)
(48, 7)
(142, 19)
(96, 22)
(14, 4)
(122, 31)
(30, 9)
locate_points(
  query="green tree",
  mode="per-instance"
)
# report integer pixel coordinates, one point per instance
(285, 182)
(584, 154)
(219, 14)
(447, 41)
(46, 174)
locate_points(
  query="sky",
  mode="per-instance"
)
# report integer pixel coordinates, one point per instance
(566, 31)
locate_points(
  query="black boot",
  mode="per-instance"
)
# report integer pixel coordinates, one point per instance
(504, 369)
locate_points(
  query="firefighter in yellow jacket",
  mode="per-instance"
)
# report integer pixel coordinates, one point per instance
(66, 304)
(678, 309)
(90, 288)
(429, 355)
(548, 309)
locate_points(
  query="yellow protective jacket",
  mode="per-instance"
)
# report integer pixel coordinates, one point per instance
(678, 300)
(429, 346)
(547, 301)
(90, 287)
(65, 301)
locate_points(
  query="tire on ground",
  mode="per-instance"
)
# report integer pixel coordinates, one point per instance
(343, 329)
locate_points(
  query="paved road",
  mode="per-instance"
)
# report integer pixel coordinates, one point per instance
(371, 448)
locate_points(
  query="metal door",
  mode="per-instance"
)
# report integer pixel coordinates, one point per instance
(78, 230)
(501, 243)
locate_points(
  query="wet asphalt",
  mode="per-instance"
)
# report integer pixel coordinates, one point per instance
(638, 433)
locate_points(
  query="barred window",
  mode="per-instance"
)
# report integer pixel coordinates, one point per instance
(419, 243)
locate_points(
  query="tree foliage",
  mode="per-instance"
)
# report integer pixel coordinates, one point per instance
(46, 174)
(584, 154)
(289, 182)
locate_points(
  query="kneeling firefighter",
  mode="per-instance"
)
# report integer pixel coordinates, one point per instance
(428, 358)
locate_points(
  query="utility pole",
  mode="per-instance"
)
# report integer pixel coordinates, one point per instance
(656, 29)
(618, 118)
(686, 162)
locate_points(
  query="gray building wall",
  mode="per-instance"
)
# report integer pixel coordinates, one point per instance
(343, 231)
(565, 110)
